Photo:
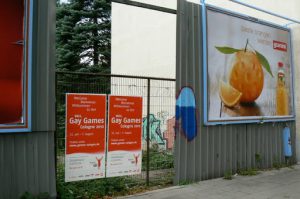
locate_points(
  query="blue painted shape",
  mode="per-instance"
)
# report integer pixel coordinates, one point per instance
(186, 111)
(287, 142)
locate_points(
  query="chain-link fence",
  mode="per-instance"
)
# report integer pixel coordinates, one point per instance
(158, 125)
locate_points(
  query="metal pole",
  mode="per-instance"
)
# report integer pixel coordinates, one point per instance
(145, 6)
(55, 132)
(265, 11)
(114, 75)
(148, 133)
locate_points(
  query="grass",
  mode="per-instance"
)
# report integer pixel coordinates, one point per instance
(119, 186)
(28, 195)
(159, 159)
(258, 160)
(185, 182)
(278, 165)
(248, 172)
(228, 175)
(98, 188)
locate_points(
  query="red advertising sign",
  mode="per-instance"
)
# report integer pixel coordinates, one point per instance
(85, 136)
(15, 66)
(277, 45)
(124, 153)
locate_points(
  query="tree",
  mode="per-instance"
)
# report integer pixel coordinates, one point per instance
(83, 36)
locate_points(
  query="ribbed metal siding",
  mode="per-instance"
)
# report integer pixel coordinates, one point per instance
(27, 160)
(27, 164)
(216, 149)
(296, 51)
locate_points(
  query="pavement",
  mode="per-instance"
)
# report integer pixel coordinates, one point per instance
(273, 184)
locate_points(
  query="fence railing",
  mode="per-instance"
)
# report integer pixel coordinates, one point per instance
(158, 127)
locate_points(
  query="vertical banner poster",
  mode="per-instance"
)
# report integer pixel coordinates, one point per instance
(124, 152)
(85, 136)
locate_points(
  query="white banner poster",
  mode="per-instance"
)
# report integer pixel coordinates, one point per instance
(85, 136)
(124, 148)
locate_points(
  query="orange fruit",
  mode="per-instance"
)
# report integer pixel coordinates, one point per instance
(229, 95)
(247, 75)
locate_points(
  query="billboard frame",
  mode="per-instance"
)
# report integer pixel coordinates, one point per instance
(26, 125)
(248, 119)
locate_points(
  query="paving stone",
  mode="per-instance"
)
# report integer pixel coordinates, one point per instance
(274, 184)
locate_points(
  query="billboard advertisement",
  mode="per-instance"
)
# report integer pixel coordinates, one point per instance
(15, 45)
(248, 74)
(124, 148)
(85, 136)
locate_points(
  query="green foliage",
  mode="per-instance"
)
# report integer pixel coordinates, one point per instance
(185, 182)
(289, 162)
(105, 187)
(277, 164)
(92, 188)
(28, 195)
(228, 175)
(258, 160)
(248, 172)
(159, 159)
(83, 36)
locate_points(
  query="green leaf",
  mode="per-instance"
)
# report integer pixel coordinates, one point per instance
(264, 62)
(227, 50)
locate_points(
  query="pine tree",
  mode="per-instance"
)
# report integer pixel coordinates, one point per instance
(83, 36)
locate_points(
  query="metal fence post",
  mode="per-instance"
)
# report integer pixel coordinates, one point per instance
(56, 125)
(148, 132)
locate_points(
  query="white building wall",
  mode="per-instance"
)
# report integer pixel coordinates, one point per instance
(143, 42)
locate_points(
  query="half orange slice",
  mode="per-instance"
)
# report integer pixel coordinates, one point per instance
(229, 95)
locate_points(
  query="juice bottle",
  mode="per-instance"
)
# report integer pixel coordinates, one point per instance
(282, 104)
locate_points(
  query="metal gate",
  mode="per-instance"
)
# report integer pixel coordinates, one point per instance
(158, 131)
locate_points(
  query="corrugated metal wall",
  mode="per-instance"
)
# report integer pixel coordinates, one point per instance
(216, 149)
(27, 160)
(296, 53)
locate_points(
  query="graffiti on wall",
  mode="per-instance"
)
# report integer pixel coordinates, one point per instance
(186, 113)
(169, 133)
(155, 134)
(164, 139)
(163, 116)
